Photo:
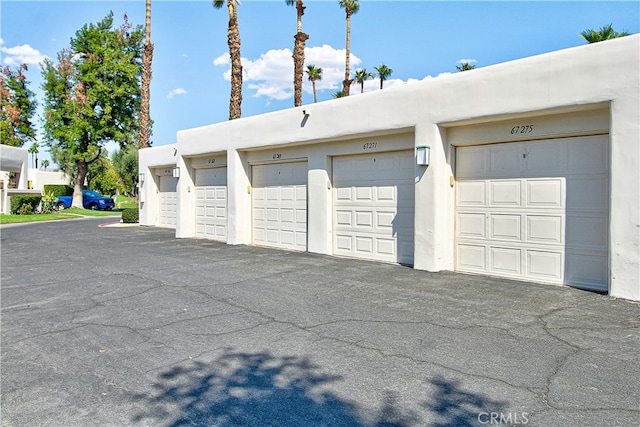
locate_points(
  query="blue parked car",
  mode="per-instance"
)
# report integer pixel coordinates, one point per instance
(90, 200)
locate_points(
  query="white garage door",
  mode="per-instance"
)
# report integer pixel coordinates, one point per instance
(535, 210)
(373, 203)
(280, 205)
(168, 201)
(211, 203)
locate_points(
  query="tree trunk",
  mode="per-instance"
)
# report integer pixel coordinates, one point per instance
(315, 98)
(77, 187)
(145, 99)
(235, 100)
(298, 67)
(346, 84)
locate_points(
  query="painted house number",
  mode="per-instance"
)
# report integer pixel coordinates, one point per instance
(211, 161)
(521, 129)
(369, 145)
(277, 156)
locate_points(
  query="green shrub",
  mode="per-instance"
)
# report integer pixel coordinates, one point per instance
(58, 190)
(25, 209)
(18, 203)
(48, 203)
(130, 216)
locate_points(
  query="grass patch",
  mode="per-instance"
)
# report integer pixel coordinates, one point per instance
(64, 214)
(15, 219)
(125, 202)
(89, 212)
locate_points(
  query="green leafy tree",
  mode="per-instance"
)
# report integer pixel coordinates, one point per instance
(605, 33)
(233, 40)
(104, 178)
(17, 107)
(350, 7)
(125, 162)
(465, 66)
(361, 76)
(145, 100)
(92, 96)
(298, 52)
(315, 74)
(383, 72)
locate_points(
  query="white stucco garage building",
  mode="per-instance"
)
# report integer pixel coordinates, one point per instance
(533, 173)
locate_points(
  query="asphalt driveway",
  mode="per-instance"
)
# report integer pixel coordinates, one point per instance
(114, 326)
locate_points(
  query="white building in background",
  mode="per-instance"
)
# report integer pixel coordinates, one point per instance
(527, 170)
(27, 181)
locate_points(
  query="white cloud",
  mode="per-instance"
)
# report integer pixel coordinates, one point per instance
(271, 75)
(222, 60)
(466, 61)
(22, 54)
(176, 91)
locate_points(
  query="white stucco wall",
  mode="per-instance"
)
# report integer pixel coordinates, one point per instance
(40, 178)
(150, 159)
(15, 159)
(602, 76)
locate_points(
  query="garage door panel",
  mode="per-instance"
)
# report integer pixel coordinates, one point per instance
(211, 203)
(374, 206)
(280, 205)
(589, 155)
(471, 225)
(595, 239)
(471, 257)
(364, 245)
(168, 200)
(506, 261)
(545, 264)
(545, 157)
(504, 161)
(364, 219)
(545, 220)
(386, 246)
(506, 193)
(471, 193)
(471, 162)
(503, 227)
(545, 193)
(588, 193)
(589, 270)
(545, 229)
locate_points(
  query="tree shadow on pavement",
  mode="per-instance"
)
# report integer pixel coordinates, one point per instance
(259, 389)
(254, 389)
(456, 407)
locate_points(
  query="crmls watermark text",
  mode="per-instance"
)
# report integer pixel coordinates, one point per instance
(512, 418)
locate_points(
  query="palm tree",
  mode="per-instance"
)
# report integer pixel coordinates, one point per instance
(233, 40)
(605, 33)
(383, 73)
(350, 7)
(315, 74)
(34, 154)
(361, 76)
(45, 164)
(145, 95)
(338, 94)
(465, 66)
(298, 53)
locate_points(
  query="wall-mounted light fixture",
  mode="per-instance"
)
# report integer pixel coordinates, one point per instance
(141, 178)
(175, 172)
(423, 155)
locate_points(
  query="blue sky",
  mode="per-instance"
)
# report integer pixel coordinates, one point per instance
(417, 39)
